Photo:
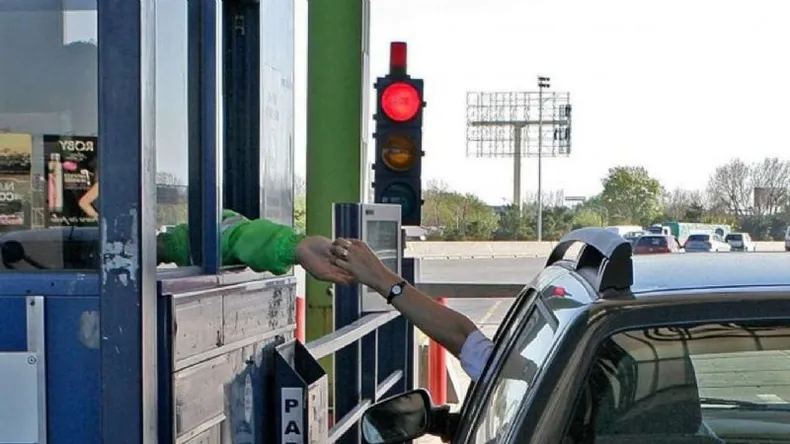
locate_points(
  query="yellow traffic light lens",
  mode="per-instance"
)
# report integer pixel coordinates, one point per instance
(399, 153)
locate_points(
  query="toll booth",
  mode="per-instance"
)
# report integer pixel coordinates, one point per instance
(120, 121)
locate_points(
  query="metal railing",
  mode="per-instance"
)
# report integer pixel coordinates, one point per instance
(366, 330)
(342, 338)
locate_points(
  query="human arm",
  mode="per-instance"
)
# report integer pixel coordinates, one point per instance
(446, 326)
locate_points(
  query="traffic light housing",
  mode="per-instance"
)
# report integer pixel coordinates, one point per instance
(398, 137)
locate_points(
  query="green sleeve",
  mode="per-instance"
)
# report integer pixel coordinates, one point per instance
(263, 245)
(173, 247)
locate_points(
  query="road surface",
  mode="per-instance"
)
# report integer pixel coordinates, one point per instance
(487, 313)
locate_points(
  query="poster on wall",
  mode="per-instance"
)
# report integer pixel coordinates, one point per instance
(71, 170)
(15, 154)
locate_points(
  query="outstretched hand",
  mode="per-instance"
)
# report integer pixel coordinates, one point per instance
(356, 258)
(314, 255)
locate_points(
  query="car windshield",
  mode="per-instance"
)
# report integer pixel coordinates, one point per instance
(734, 237)
(652, 241)
(699, 238)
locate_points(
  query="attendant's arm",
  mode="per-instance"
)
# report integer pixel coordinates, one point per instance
(263, 245)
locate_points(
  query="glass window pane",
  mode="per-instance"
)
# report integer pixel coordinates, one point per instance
(172, 126)
(529, 352)
(277, 111)
(48, 128)
(718, 381)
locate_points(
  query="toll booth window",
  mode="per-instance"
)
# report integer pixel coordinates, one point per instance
(172, 130)
(48, 135)
(277, 111)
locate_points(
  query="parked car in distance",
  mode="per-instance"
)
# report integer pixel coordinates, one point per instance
(656, 244)
(632, 236)
(707, 242)
(787, 239)
(740, 242)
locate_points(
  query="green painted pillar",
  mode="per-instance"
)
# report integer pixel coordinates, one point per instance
(334, 128)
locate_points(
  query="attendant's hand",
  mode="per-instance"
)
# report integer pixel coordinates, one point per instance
(314, 255)
(355, 257)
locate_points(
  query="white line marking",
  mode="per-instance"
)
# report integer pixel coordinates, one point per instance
(772, 399)
(489, 313)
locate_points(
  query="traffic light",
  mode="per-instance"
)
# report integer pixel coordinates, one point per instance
(398, 164)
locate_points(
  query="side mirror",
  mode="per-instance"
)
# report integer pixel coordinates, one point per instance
(400, 418)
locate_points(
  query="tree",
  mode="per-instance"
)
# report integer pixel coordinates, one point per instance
(631, 195)
(679, 202)
(300, 204)
(730, 187)
(173, 204)
(771, 181)
(514, 225)
(459, 216)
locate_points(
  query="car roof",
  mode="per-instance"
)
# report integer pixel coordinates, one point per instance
(692, 271)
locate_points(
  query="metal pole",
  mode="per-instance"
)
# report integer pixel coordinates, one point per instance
(517, 169)
(540, 160)
(334, 156)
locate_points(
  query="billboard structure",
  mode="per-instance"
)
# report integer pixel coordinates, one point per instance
(518, 125)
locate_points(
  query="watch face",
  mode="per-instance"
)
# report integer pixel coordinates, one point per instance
(396, 289)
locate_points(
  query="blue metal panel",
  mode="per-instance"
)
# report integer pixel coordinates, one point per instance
(211, 134)
(13, 336)
(370, 358)
(73, 376)
(195, 116)
(242, 153)
(128, 244)
(347, 304)
(165, 329)
(205, 138)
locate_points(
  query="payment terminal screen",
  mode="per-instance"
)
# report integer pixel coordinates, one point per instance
(382, 237)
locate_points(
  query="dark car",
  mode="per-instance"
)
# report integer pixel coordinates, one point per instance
(665, 349)
(656, 244)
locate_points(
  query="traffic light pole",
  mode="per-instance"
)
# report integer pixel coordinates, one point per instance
(334, 132)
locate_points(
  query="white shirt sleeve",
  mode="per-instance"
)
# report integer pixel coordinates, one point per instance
(474, 354)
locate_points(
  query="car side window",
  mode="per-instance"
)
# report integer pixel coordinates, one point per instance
(511, 385)
(693, 384)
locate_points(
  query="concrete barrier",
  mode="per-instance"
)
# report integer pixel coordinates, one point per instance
(482, 250)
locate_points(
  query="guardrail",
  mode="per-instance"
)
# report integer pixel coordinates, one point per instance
(386, 371)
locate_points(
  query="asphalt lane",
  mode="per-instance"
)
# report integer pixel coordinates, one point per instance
(487, 313)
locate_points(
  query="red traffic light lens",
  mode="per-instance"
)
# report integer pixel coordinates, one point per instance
(400, 102)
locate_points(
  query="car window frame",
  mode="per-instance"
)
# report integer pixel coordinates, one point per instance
(479, 393)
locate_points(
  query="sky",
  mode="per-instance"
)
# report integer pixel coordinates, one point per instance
(679, 87)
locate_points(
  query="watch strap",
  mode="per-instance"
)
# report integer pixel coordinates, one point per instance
(394, 293)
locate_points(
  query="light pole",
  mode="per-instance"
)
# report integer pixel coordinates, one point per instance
(543, 82)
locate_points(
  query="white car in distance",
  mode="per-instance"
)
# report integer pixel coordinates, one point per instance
(740, 242)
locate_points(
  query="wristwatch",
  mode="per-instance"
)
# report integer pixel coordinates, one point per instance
(396, 290)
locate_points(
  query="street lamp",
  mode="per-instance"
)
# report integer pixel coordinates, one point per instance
(543, 82)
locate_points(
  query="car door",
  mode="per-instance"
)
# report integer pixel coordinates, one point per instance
(522, 348)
